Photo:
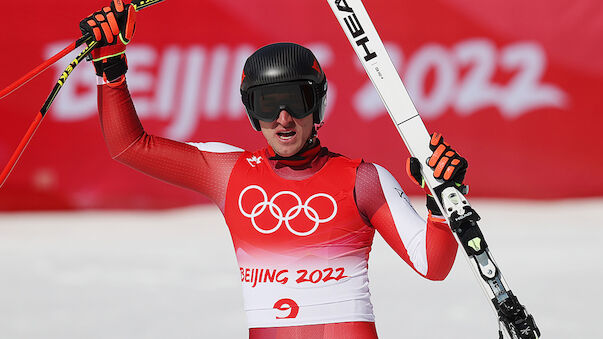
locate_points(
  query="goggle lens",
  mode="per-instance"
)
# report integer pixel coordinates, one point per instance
(297, 98)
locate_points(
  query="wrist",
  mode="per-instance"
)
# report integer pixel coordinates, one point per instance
(112, 69)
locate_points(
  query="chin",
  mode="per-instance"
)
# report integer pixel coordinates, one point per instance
(287, 151)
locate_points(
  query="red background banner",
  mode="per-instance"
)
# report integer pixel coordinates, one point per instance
(515, 86)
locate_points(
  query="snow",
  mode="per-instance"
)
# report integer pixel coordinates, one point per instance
(173, 274)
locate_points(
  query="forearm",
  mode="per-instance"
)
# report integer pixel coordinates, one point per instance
(428, 246)
(119, 123)
(441, 248)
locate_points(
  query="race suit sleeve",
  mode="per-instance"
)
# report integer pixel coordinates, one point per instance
(429, 247)
(203, 167)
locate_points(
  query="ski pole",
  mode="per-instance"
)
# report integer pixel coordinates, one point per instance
(138, 5)
(38, 119)
(42, 67)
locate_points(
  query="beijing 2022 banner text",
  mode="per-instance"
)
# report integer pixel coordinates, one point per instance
(516, 86)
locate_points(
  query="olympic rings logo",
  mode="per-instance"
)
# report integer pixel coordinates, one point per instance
(293, 212)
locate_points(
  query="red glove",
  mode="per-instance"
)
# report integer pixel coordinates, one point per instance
(447, 164)
(113, 28)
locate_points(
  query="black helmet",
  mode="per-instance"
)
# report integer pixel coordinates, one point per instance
(283, 76)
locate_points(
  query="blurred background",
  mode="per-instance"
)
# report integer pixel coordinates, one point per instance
(511, 85)
(515, 86)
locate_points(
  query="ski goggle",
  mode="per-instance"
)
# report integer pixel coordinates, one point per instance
(267, 101)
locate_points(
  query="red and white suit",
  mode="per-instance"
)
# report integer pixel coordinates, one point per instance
(302, 230)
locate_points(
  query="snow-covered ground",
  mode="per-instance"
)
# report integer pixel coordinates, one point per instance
(173, 274)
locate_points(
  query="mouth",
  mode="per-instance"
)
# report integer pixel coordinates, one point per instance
(286, 135)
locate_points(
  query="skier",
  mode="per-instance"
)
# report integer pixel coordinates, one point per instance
(302, 218)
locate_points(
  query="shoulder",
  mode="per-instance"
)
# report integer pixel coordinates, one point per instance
(218, 154)
(371, 177)
(376, 187)
(369, 171)
(337, 157)
(216, 147)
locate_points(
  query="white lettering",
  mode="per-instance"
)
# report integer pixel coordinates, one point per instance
(178, 85)
(185, 123)
(477, 89)
(431, 57)
(185, 85)
(217, 71)
(526, 90)
(141, 78)
(464, 80)
(165, 90)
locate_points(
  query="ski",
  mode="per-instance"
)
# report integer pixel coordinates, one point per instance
(513, 317)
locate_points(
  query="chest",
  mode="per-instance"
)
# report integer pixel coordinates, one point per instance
(267, 213)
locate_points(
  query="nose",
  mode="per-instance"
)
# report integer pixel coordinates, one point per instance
(284, 118)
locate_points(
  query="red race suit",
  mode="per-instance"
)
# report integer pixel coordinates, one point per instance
(302, 230)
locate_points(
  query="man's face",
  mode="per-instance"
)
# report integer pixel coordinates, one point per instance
(287, 135)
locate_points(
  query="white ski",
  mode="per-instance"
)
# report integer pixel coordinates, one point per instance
(365, 40)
